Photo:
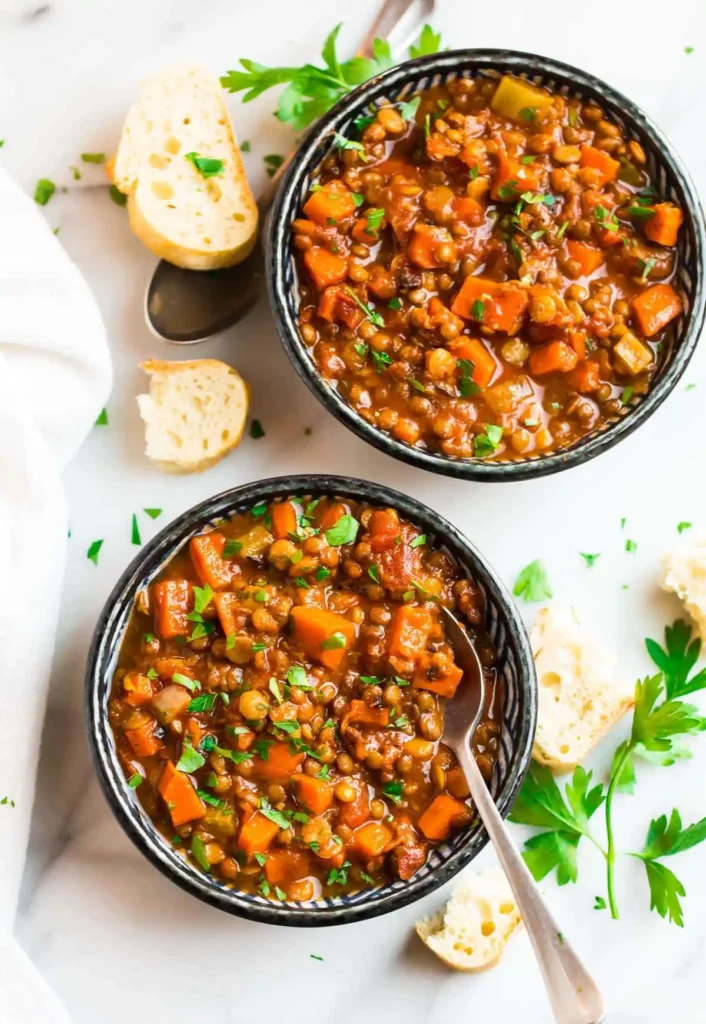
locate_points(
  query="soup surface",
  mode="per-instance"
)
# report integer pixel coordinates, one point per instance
(278, 705)
(487, 271)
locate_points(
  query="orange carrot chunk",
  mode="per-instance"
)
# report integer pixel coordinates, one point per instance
(328, 514)
(227, 605)
(410, 631)
(325, 267)
(173, 600)
(143, 740)
(284, 519)
(586, 377)
(439, 818)
(468, 210)
(138, 689)
(384, 529)
(337, 304)
(512, 178)
(178, 792)
(557, 356)
(279, 765)
(285, 866)
(444, 684)
(473, 350)
(497, 305)
(600, 161)
(211, 567)
(371, 840)
(314, 793)
(656, 307)
(663, 226)
(256, 834)
(425, 245)
(332, 202)
(364, 714)
(322, 635)
(358, 810)
(587, 256)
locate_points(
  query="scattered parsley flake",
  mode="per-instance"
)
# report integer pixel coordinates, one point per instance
(590, 560)
(256, 430)
(208, 167)
(102, 420)
(532, 584)
(93, 550)
(135, 534)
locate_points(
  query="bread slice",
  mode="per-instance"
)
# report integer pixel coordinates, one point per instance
(685, 576)
(580, 694)
(196, 222)
(470, 933)
(194, 414)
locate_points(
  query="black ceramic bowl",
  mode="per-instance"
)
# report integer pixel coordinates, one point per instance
(668, 175)
(515, 669)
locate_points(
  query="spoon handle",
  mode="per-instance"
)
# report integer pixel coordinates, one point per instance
(573, 994)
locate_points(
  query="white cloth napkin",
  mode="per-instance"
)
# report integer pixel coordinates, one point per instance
(54, 378)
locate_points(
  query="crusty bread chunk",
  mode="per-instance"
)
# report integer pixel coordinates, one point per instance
(685, 575)
(470, 933)
(198, 219)
(194, 414)
(580, 694)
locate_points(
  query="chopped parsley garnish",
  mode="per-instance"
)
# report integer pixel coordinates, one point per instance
(341, 142)
(135, 780)
(259, 510)
(374, 220)
(276, 817)
(204, 702)
(206, 166)
(231, 548)
(191, 760)
(198, 852)
(683, 526)
(245, 146)
(374, 573)
(135, 534)
(409, 110)
(631, 546)
(590, 560)
(370, 314)
(343, 531)
(466, 385)
(626, 395)
(357, 198)
(339, 876)
(186, 681)
(314, 956)
(43, 191)
(93, 158)
(322, 573)
(102, 420)
(153, 513)
(418, 541)
(118, 197)
(487, 443)
(333, 642)
(92, 553)
(381, 360)
(562, 229)
(393, 790)
(394, 304)
(532, 584)
(528, 113)
(256, 430)
(478, 310)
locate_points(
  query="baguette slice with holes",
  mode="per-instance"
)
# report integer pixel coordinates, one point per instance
(470, 933)
(194, 414)
(685, 575)
(194, 222)
(580, 694)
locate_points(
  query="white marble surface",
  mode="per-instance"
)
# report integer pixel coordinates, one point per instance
(113, 936)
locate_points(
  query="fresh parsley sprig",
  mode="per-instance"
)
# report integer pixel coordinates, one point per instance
(311, 90)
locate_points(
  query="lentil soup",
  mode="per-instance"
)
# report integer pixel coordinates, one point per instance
(486, 269)
(278, 701)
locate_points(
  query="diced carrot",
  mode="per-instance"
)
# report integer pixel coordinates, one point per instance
(325, 267)
(586, 377)
(498, 305)
(227, 605)
(456, 784)
(468, 210)
(364, 714)
(473, 350)
(179, 793)
(511, 178)
(609, 239)
(372, 839)
(557, 356)
(332, 202)
(329, 513)
(312, 792)
(382, 282)
(424, 246)
(587, 256)
(284, 519)
(474, 155)
(358, 810)
(655, 307)
(279, 765)
(444, 685)
(601, 162)
(138, 689)
(173, 600)
(194, 730)
(410, 631)
(384, 529)
(285, 866)
(244, 740)
(577, 340)
(360, 233)
(211, 567)
(336, 304)
(143, 740)
(315, 629)
(256, 834)
(166, 667)
(438, 819)
(663, 226)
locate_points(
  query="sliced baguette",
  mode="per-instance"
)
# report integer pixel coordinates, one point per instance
(194, 414)
(470, 933)
(685, 576)
(195, 222)
(580, 694)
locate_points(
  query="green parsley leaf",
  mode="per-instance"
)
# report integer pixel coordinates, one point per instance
(373, 573)
(102, 420)
(666, 892)
(528, 113)
(135, 534)
(626, 394)
(43, 191)
(466, 385)
(202, 598)
(631, 546)
(429, 42)
(273, 687)
(341, 142)
(276, 817)
(296, 676)
(187, 681)
(333, 642)
(394, 304)
(532, 584)
(231, 548)
(600, 904)
(92, 553)
(245, 147)
(688, 49)
(419, 541)
(315, 957)
(486, 444)
(191, 760)
(408, 110)
(206, 166)
(118, 197)
(93, 158)
(478, 310)
(256, 430)
(381, 360)
(322, 573)
(339, 876)
(343, 531)
(590, 560)
(677, 659)
(683, 526)
(370, 314)
(135, 780)
(393, 790)
(374, 219)
(198, 852)
(654, 725)
(204, 702)
(153, 513)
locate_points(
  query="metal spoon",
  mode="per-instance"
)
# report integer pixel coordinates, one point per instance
(574, 996)
(188, 306)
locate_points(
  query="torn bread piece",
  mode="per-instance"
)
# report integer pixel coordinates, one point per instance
(581, 696)
(685, 576)
(470, 933)
(194, 414)
(179, 164)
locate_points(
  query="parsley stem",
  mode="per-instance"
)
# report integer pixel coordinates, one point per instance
(610, 854)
